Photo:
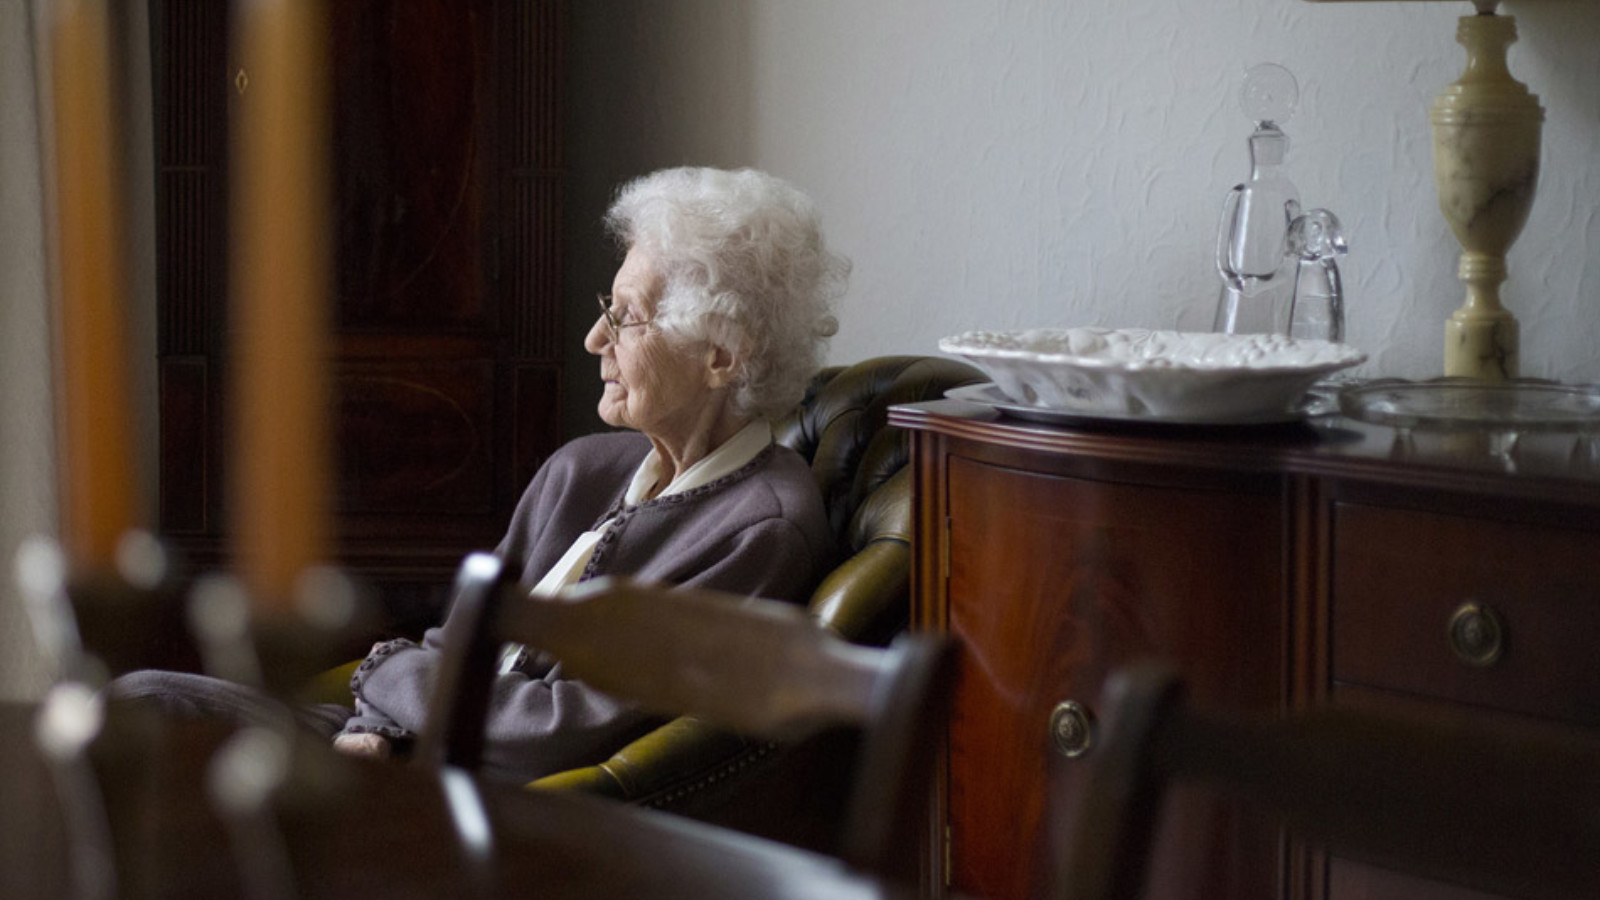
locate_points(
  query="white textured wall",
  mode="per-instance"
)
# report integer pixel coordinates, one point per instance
(1046, 162)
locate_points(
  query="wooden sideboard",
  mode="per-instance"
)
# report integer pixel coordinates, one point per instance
(1321, 562)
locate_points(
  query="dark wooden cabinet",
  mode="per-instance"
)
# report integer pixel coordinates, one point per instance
(447, 175)
(1276, 567)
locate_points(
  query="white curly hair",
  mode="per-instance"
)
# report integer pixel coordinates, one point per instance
(745, 268)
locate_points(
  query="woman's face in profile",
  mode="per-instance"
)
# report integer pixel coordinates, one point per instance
(651, 385)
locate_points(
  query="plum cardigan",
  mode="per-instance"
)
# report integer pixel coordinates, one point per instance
(760, 531)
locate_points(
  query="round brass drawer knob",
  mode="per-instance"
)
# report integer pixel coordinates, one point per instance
(1477, 635)
(1072, 728)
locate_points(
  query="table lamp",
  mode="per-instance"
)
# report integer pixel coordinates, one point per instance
(1486, 130)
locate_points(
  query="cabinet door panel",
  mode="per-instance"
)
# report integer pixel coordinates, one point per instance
(412, 218)
(1052, 583)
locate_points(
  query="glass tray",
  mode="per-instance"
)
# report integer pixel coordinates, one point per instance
(1522, 406)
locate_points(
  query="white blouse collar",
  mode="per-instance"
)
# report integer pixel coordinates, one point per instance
(730, 457)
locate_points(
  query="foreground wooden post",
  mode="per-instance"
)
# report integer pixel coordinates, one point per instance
(98, 477)
(280, 283)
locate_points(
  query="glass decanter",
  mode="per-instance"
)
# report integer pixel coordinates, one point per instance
(1316, 308)
(1251, 238)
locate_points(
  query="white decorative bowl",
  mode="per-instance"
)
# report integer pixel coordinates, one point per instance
(1165, 375)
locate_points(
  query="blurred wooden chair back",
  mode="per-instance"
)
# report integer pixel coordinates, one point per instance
(757, 667)
(1508, 810)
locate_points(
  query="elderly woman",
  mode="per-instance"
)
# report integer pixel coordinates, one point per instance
(713, 327)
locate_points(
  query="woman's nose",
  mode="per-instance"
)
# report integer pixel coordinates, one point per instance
(598, 338)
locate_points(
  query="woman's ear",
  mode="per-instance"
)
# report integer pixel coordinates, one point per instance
(720, 366)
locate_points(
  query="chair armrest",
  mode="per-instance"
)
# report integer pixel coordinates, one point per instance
(864, 599)
(331, 685)
(664, 766)
(596, 780)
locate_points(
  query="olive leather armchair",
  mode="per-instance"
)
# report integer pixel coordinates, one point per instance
(796, 794)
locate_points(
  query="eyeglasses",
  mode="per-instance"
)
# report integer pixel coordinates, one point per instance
(612, 325)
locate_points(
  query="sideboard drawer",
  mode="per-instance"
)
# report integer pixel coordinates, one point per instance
(1475, 611)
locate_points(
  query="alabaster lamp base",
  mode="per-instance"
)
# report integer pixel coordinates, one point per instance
(1481, 340)
(1486, 134)
(1486, 129)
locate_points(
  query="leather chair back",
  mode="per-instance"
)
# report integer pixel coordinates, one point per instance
(860, 464)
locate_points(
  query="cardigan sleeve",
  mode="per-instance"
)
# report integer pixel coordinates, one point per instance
(369, 719)
(542, 723)
(770, 559)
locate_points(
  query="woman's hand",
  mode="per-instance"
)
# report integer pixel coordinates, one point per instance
(371, 746)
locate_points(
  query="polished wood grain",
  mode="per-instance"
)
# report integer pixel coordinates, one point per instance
(1544, 477)
(408, 156)
(1373, 538)
(1053, 582)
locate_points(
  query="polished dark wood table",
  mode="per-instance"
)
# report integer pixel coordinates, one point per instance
(352, 828)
